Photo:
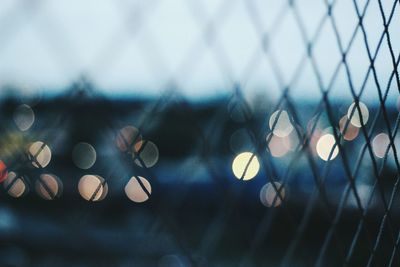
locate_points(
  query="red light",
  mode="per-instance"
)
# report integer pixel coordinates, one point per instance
(3, 171)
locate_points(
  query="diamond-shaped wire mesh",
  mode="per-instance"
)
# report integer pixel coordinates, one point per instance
(274, 125)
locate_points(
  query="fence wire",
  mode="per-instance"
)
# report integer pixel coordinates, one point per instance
(290, 176)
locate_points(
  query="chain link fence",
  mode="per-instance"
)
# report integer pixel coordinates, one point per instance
(259, 133)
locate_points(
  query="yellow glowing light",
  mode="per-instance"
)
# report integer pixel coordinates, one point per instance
(380, 144)
(246, 166)
(271, 197)
(40, 154)
(84, 155)
(325, 145)
(24, 117)
(136, 191)
(356, 119)
(351, 131)
(283, 126)
(91, 187)
(48, 186)
(16, 185)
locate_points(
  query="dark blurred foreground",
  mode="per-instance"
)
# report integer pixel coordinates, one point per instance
(198, 213)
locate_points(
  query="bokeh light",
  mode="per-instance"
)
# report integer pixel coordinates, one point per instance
(138, 192)
(3, 171)
(84, 155)
(145, 154)
(92, 187)
(271, 197)
(49, 186)
(294, 139)
(380, 144)
(355, 119)
(283, 126)
(325, 145)
(24, 117)
(351, 132)
(15, 185)
(245, 166)
(277, 146)
(126, 137)
(40, 154)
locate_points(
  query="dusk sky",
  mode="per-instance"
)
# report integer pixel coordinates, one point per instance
(127, 47)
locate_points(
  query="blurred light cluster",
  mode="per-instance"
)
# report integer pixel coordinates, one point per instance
(91, 187)
(246, 164)
(285, 136)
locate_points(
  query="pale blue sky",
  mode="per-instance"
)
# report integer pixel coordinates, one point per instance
(135, 47)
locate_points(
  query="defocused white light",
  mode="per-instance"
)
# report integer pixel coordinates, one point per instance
(271, 197)
(92, 187)
(277, 146)
(325, 145)
(105, 191)
(15, 184)
(40, 154)
(351, 131)
(84, 155)
(380, 144)
(145, 154)
(356, 119)
(245, 166)
(48, 186)
(24, 117)
(293, 140)
(283, 126)
(136, 192)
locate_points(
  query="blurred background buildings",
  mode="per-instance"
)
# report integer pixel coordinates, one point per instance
(199, 133)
